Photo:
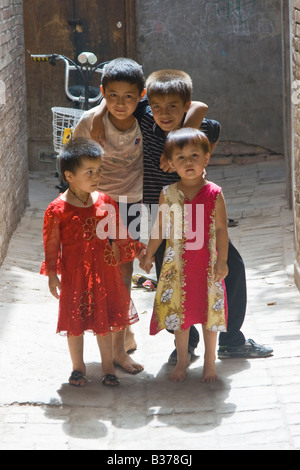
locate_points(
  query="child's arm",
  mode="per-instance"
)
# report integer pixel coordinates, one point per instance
(157, 236)
(97, 131)
(82, 130)
(221, 268)
(195, 115)
(125, 248)
(51, 265)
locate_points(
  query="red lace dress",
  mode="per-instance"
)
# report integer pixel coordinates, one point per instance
(93, 295)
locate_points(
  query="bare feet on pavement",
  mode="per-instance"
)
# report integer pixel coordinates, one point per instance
(124, 361)
(209, 372)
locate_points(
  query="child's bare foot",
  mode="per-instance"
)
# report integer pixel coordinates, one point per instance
(127, 363)
(209, 372)
(130, 343)
(179, 373)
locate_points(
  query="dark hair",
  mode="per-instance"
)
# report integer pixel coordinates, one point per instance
(169, 82)
(123, 70)
(184, 136)
(76, 150)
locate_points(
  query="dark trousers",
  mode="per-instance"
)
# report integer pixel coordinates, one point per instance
(236, 297)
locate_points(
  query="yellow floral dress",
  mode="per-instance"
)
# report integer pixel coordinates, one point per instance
(186, 292)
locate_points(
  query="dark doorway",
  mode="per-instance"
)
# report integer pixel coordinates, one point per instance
(104, 27)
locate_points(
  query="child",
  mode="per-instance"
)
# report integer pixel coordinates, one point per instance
(162, 88)
(153, 177)
(169, 93)
(122, 173)
(191, 287)
(123, 86)
(122, 176)
(92, 295)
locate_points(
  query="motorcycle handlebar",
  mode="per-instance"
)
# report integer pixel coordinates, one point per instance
(70, 65)
(52, 58)
(43, 57)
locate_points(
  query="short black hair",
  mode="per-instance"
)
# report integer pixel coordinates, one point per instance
(169, 82)
(185, 136)
(123, 70)
(76, 150)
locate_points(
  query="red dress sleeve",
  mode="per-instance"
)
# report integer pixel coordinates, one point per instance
(127, 248)
(130, 250)
(51, 236)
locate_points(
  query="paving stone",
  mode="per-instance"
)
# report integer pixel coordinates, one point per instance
(255, 404)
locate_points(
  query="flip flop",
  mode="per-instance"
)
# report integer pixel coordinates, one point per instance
(110, 380)
(139, 280)
(77, 376)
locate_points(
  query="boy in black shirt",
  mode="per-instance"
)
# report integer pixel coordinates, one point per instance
(169, 93)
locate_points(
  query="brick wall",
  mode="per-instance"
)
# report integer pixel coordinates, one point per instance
(296, 128)
(13, 129)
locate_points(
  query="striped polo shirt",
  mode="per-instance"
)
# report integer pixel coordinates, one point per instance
(153, 144)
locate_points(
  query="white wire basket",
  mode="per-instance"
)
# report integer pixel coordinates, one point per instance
(64, 123)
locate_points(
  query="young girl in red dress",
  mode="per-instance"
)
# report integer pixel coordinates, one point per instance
(79, 227)
(193, 220)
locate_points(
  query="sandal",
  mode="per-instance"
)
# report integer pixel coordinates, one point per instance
(77, 376)
(139, 280)
(110, 380)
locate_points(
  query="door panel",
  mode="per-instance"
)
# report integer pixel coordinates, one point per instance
(104, 27)
(101, 28)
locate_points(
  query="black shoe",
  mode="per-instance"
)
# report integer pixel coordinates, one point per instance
(232, 223)
(249, 350)
(173, 357)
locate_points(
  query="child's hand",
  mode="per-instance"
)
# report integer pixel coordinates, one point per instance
(54, 285)
(146, 263)
(141, 255)
(164, 164)
(220, 270)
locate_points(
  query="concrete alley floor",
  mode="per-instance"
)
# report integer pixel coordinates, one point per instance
(254, 405)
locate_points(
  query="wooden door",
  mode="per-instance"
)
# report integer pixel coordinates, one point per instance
(104, 27)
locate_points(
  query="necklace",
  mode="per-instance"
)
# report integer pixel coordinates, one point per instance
(83, 202)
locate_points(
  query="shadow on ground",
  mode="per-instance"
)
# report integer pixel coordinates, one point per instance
(145, 400)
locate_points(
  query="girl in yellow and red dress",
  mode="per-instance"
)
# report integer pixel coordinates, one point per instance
(78, 228)
(193, 220)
